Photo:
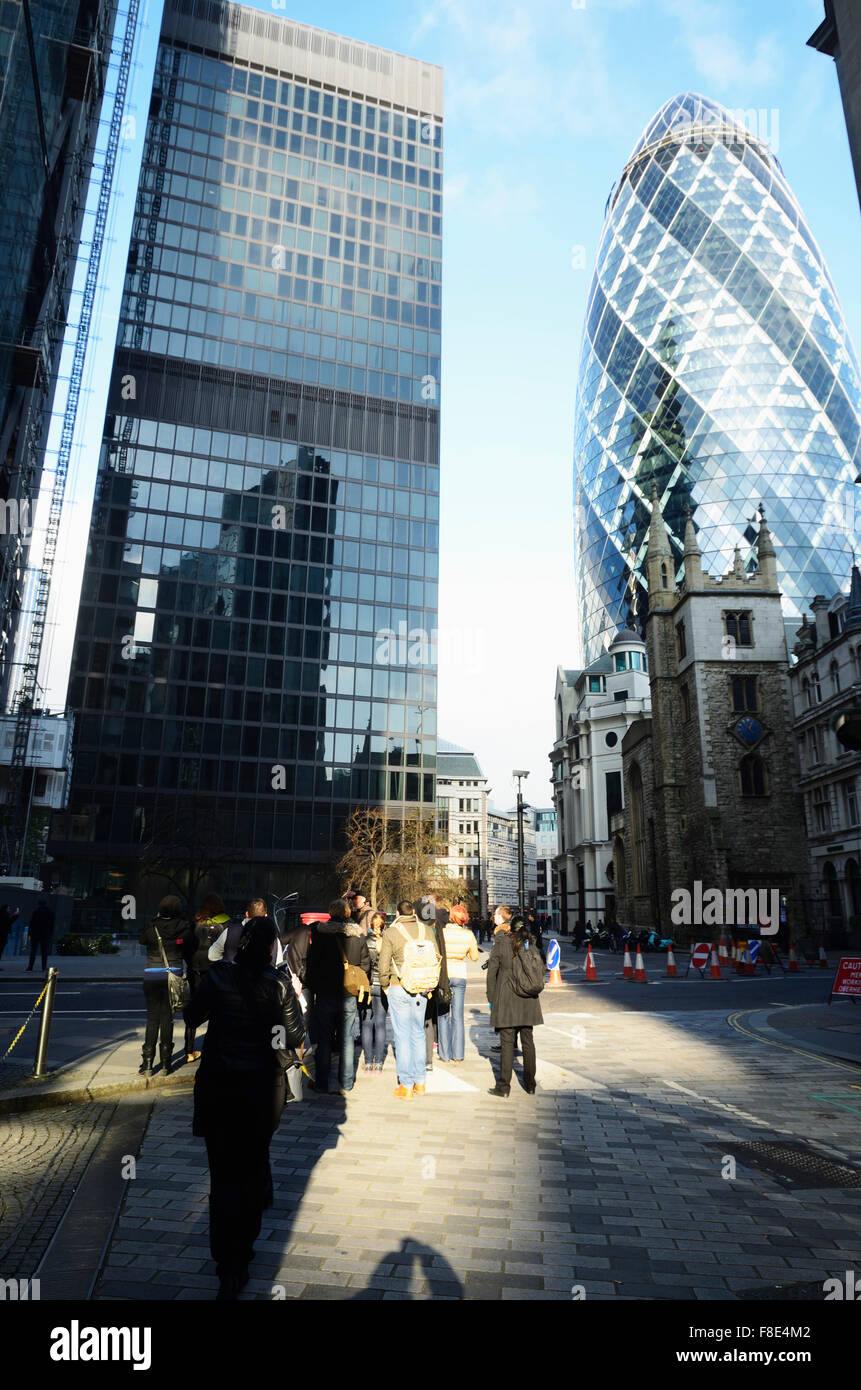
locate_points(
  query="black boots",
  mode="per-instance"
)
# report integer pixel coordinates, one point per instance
(165, 1053)
(499, 1090)
(231, 1285)
(145, 1068)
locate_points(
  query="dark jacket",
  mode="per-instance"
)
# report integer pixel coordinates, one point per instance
(242, 1011)
(508, 1009)
(296, 944)
(201, 936)
(374, 952)
(41, 923)
(330, 941)
(173, 932)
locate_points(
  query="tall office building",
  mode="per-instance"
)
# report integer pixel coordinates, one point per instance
(715, 360)
(264, 536)
(53, 64)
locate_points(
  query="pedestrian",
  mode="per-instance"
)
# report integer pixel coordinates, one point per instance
(8, 915)
(335, 944)
(409, 971)
(171, 926)
(511, 1012)
(209, 922)
(41, 931)
(361, 910)
(579, 932)
(373, 1015)
(239, 1091)
(460, 946)
(438, 910)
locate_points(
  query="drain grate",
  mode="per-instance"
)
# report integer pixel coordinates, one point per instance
(794, 1165)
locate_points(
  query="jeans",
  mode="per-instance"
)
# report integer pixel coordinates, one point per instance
(349, 1024)
(374, 1019)
(507, 1038)
(327, 1017)
(452, 1036)
(159, 1016)
(407, 1012)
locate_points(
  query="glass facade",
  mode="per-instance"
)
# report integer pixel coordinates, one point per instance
(715, 360)
(267, 498)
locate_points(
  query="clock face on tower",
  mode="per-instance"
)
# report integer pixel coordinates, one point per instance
(749, 730)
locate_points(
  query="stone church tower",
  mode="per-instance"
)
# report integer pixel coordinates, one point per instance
(709, 792)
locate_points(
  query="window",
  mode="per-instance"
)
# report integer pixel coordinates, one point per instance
(613, 782)
(835, 676)
(744, 693)
(686, 703)
(738, 627)
(821, 809)
(620, 695)
(813, 746)
(850, 801)
(595, 685)
(619, 661)
(752, 775)
(681, 641)
(817, 688)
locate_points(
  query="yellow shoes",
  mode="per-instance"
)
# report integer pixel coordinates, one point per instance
(403, 1093)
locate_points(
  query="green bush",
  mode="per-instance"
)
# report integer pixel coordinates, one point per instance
(72, 944)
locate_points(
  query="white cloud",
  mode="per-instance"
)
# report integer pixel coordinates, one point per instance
(724, 61)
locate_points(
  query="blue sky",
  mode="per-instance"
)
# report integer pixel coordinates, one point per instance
(543, 104)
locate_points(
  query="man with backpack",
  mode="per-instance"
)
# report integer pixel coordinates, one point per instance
(409, 971)
(515, 979)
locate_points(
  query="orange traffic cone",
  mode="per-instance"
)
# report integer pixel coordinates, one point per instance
(747, 965)
(793, 960)
(823, 959)
(672, 973)
(627, 967)
(736, 957)
(640, 969)
(591, 972)
(723, 955)
(555, 976)
(714, 967)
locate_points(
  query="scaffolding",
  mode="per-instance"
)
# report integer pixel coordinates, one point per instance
(19, 797)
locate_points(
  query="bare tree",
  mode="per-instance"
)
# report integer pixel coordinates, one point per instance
(189, 845)
(366, 861)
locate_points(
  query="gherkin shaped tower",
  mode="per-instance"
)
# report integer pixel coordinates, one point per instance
(716, 362)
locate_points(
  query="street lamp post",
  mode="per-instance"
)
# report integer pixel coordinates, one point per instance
(519, 773)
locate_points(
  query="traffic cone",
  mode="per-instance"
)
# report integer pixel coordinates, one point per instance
(640, 969)
(627, 967)
(672, 973)
(823, 959)
(736, 957)
(555, 976)
(747, 966)
(714, 967)
(591, 972)
(723, 955)
(793, 960)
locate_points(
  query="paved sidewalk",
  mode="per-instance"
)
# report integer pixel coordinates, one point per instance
(128, 964)
(609, 1183)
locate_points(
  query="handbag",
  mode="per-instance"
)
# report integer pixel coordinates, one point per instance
(356, 982)
(177, 985)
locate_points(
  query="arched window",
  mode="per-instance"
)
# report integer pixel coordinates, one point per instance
(639, 848)
(805, 687)
(664, 574)
(559, 729)
(752, 775)
(853, 880)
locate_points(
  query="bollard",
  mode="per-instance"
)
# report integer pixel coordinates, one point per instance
(45, 1023)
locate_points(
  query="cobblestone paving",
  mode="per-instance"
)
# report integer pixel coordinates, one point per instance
(608, 1180)
(43, 1155)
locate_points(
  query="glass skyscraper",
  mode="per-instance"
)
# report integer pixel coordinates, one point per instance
(715, 360)
(267, 495)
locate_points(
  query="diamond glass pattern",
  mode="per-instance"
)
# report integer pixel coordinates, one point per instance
(715, 360)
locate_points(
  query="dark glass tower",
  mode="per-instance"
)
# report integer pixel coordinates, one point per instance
(50, 98)
(267, 497)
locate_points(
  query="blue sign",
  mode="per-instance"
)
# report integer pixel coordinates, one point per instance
(553, 955)
(753, 950)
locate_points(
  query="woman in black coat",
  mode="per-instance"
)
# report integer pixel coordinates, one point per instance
(255, 1022)
(171, 926)
(510, 1013)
